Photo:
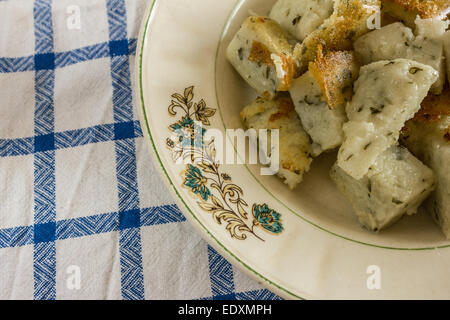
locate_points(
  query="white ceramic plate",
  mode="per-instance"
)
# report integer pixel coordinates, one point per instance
(305, 243)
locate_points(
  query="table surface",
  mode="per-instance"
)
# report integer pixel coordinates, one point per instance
(83, 212)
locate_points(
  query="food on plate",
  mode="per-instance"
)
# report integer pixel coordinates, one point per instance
(320, 96)
(328, 78)
(408, 10)
(300, 18)
(428, 137)
(428, 46)
(294, 143)
(396, 184)
(347, 23)
(398, 41)
(387, 43)
(261, 53)
(387, 94)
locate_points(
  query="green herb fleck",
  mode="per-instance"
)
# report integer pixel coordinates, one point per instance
(415, 70)
(296, 20)
(241, 53)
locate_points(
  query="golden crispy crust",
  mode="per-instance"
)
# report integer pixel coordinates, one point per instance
(434, 108)
(273, 34)
(335, 73)
(259, 53)
(425, 8)
(286, 108)
(348, 22)
(276, 43)
(290, 71)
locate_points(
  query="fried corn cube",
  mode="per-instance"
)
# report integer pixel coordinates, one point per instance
(396, 184)
(428, 48)
(294, 145)
(408, 10)
(398, 41)
(348, 22)
(320, 96)
(300, 18)
(387, 94)
(428, 137)
(387, 43)
(262, 55)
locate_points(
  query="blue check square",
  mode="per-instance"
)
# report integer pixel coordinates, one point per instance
(227, 297)
(44, 61)
(44, 142)
(129, 219)
(118, 48)
(124, 130)
(45, 232)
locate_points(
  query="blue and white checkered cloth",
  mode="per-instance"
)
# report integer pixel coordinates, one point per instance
(83, 213)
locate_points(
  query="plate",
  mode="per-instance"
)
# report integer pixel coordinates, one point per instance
(302, 244)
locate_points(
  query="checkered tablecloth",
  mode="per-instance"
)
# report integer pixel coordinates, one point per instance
(83, 213)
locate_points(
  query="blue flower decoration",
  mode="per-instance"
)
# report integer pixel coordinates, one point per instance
(189, 132)
(268, 218)
(197, 182)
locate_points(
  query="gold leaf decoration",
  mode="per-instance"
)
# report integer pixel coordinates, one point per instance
(214, 189)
